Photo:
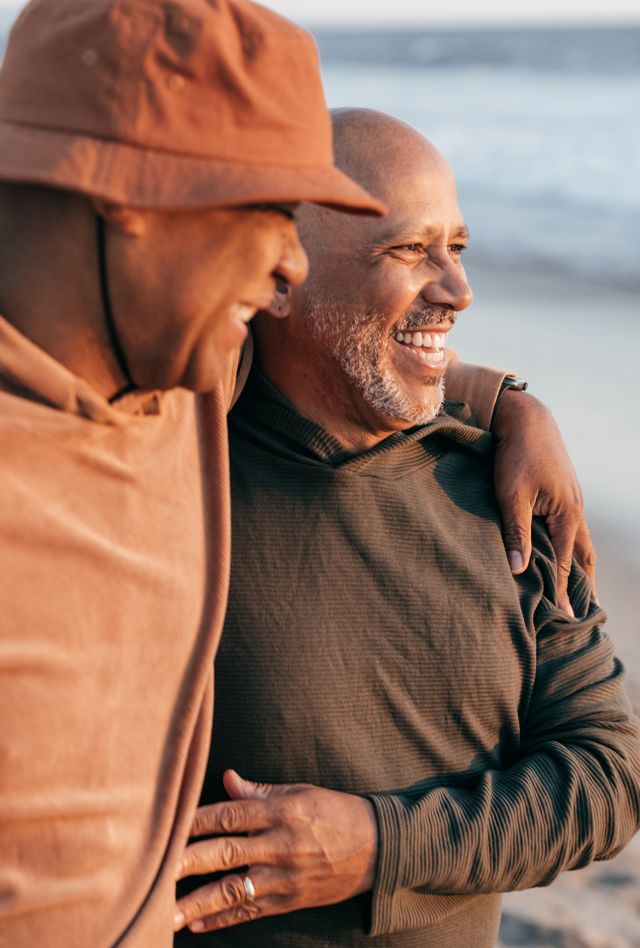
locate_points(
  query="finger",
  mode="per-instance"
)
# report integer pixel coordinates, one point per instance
(243, 913)
(235, 816)
(224, 895)
(585, 554)
(240, 789)
(221, 855)
(562, 532)
(516, 513)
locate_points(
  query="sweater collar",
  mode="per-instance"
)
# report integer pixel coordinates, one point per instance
(263, 403)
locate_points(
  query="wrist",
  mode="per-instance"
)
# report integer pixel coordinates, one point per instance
(509, 386)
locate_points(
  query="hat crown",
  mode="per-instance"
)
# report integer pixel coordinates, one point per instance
(205, 78)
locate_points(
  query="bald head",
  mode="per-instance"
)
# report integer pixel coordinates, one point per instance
(389, 158)
(376, 148)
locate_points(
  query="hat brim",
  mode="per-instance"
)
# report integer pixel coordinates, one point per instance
(143, 178)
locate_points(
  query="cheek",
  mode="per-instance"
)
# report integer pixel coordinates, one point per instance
(390, 293)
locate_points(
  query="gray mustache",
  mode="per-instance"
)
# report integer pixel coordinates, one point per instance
(432, 316)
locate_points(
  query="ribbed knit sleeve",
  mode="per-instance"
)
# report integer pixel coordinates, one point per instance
(572, 796)
(477, 385)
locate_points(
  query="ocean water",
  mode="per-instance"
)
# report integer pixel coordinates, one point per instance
(541, 126)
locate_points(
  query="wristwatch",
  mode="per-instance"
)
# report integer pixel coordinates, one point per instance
(508, 382)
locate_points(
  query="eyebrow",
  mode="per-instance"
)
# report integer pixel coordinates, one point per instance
(398, 235)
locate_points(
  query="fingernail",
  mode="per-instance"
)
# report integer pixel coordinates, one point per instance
(196, 926)
(178, 869)
(178, 921)
(515, 561)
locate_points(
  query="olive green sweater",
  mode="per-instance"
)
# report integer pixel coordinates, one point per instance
(377, 643)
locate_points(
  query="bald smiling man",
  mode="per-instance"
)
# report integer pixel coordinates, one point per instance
(433, 731)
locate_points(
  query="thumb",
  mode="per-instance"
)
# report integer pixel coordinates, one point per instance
(240, 789)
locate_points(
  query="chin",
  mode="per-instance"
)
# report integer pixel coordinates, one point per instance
(422, 414)
(203, 375)
(422, 407)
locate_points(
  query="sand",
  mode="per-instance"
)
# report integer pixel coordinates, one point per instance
(577, 343)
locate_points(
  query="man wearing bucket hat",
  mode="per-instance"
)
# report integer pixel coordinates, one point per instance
(150, 155)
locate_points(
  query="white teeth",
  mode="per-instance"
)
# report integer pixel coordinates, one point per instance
(423, 340)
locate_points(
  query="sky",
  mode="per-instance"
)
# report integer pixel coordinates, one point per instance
(463, 12)
(469, 12)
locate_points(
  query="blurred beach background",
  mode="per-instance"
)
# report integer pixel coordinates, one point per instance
(538, 111)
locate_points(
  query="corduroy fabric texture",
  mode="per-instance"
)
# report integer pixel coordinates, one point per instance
(114, 550)
(376, 643)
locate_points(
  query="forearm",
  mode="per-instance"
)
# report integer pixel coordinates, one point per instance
(476, 385)
(571, 797)
(559, 809)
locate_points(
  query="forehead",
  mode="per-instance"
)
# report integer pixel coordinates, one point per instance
(423, 201)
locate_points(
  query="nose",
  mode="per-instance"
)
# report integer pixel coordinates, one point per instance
(293, 265)
(450, 288)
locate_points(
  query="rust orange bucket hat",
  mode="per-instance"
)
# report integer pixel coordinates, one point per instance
(169, 105)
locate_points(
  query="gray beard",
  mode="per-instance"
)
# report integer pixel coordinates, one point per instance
(360, 347)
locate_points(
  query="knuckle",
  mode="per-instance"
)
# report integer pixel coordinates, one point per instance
(232, 891)
(229, 854)
(229, 818)
(248, 912)
(514, 534)
(263, 788)
(292, 886)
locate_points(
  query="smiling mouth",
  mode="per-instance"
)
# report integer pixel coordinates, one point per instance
(428, 344)
(244, 312)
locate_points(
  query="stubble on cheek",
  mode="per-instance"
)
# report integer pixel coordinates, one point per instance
(362, 346)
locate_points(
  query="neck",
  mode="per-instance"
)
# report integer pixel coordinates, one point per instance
(320, 391)
(49, 288)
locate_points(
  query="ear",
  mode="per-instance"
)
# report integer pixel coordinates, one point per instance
(127, 220)
(280, 305)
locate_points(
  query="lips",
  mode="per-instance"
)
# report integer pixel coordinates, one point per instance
(243, 312)
(422, 348)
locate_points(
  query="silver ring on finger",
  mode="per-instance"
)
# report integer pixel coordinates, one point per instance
(249, 888)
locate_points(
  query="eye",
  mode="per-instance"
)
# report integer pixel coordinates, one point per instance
(287, 210)
(410, 248)
(457, 249)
